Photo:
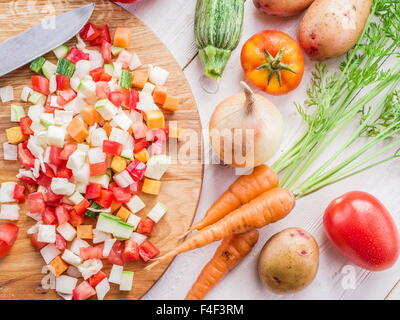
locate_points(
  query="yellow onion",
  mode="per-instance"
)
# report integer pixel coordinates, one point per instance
(246, 129)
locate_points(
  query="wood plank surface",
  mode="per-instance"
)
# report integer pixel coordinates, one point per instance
(20, 272)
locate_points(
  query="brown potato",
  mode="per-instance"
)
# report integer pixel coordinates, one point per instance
(289, 261)
(330, 28)
(282, 8)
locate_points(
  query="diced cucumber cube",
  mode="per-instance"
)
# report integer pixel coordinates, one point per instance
(17, 112)
(126, 281)
(103, 179)
(123, 230)
(61, 51)
(107, 222)
(37, 98)
(37, 64)
(49, 69)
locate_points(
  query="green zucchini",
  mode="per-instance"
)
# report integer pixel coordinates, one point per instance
(65, 67)
(217, 30)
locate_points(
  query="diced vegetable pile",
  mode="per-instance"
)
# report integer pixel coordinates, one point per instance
(92, 141)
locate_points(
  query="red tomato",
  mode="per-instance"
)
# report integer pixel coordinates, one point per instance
(97, 169)
(35, 243)
(63, 82)
(8, 235)
(363, 230)
(104, 35)
(75, 219)
(89, 32)
(96, 74)
(18, 193)
(93, 191)
(121, 195)
(146, 226)
(61, 243)
(75, 55)
(115, 256)
(49, 216)
(112, 147)
(97, 278)
(49, 171)
(65, 96)
(67, 151)
(106, 198)
(116, 97)
(54, 156)
(132, 98)
(25, 157)
(43, 180)
(131, 251)
(140, 144)
(25, 124)
(102, 89)
(148, 251)
(106, 51)
(36, 202)
(91, 252)
(273, 62)
(62, 214)
(83, 291)
(81, 207)
(64, 173)
(41, 84)
(136, 169)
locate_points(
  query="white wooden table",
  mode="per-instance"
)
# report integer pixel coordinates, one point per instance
(172, 21)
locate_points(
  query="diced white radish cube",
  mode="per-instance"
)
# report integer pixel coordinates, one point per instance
(62, 186)
(10, 151)
(149, 87)
(97, 137)
(7, 192)
(76, 160)
(126, 281)
(100, 236)
(9, 212)
(34, 229)
(82, 69)
(65, 284)
(121, 120)
(76, 198)
(73, 271)
(115, 274)
(108, 244)
(117, 69)
(96, 155)
(135, 62)
(102, 289)
(118, 135)
(90, 267)
(123, 179)
(67, 231)
(83, 147)
(158, 75)
(35, 216)
(34, 146)
(157, 212)
(26, 91)
(138, 237)
(157, 166)
(77, 244)
(133, 220)
(7, 94)
(76, 105)
(82, 174)
(106, 109)
(71, 258)
(81, 187)
(47, 233)
(49, 252)
(56, 136)
(135, 204)
(62, 117)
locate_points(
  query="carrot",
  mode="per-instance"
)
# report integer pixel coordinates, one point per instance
(171, 103)
(230, 252)
(268, 207)
(89, 115)
(160, 94)
(122, 37)
(244, 189)
(139, 79)
(77, 130)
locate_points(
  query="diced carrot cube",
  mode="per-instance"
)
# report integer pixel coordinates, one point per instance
(151, 186)
(57, 266)
(122, 37)
(142, 155)
(118, 164)
(89, 115)
(107, 127)
(159, 95)
(15, 135)
(171, 103)
(155, 119)
(77, 130)
(123, 213)
(115, 206)
(139, 79)
(84, 231)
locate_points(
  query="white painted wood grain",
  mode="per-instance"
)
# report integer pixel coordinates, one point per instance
(242, 283)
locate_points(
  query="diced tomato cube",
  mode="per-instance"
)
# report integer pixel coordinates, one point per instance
(97, 278)
(48, 216)
(121, 195)
(43, 180)
(116, 97)
(36, 202)
(131, 251)
(63, 82)
(134, 188)
(18, 193)
(49, 171)
(105, 77)
(132, 98)
(96, 73)
(136, 169)
(106, 198)
(148, 251)
(93, 191)
(106, 51)
(65, 96)
(64, 173)
(35, 243)
(54, 156)
(115, 256)
(97, 169)
(75, 55)
(112, 147)
(67, 151)
(61, 243)
(25, 124)
(140, 145)
(84, 291)
(139, 130)
(75, 219)
(104, 35)
(62, 214)
(81, 207)
(41, 84)
(102, 89)
(25, 157)
(125, 58)
(146, 226)
(91, 252)
(89, 32)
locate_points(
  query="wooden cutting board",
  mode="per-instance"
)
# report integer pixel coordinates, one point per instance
(20, 271)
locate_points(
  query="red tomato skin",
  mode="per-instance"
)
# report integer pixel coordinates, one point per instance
(83, 291)
(8, 235)
(363, 230)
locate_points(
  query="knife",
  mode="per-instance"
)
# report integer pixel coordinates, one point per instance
(42, 38)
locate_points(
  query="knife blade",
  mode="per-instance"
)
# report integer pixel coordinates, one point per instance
(42, 38)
